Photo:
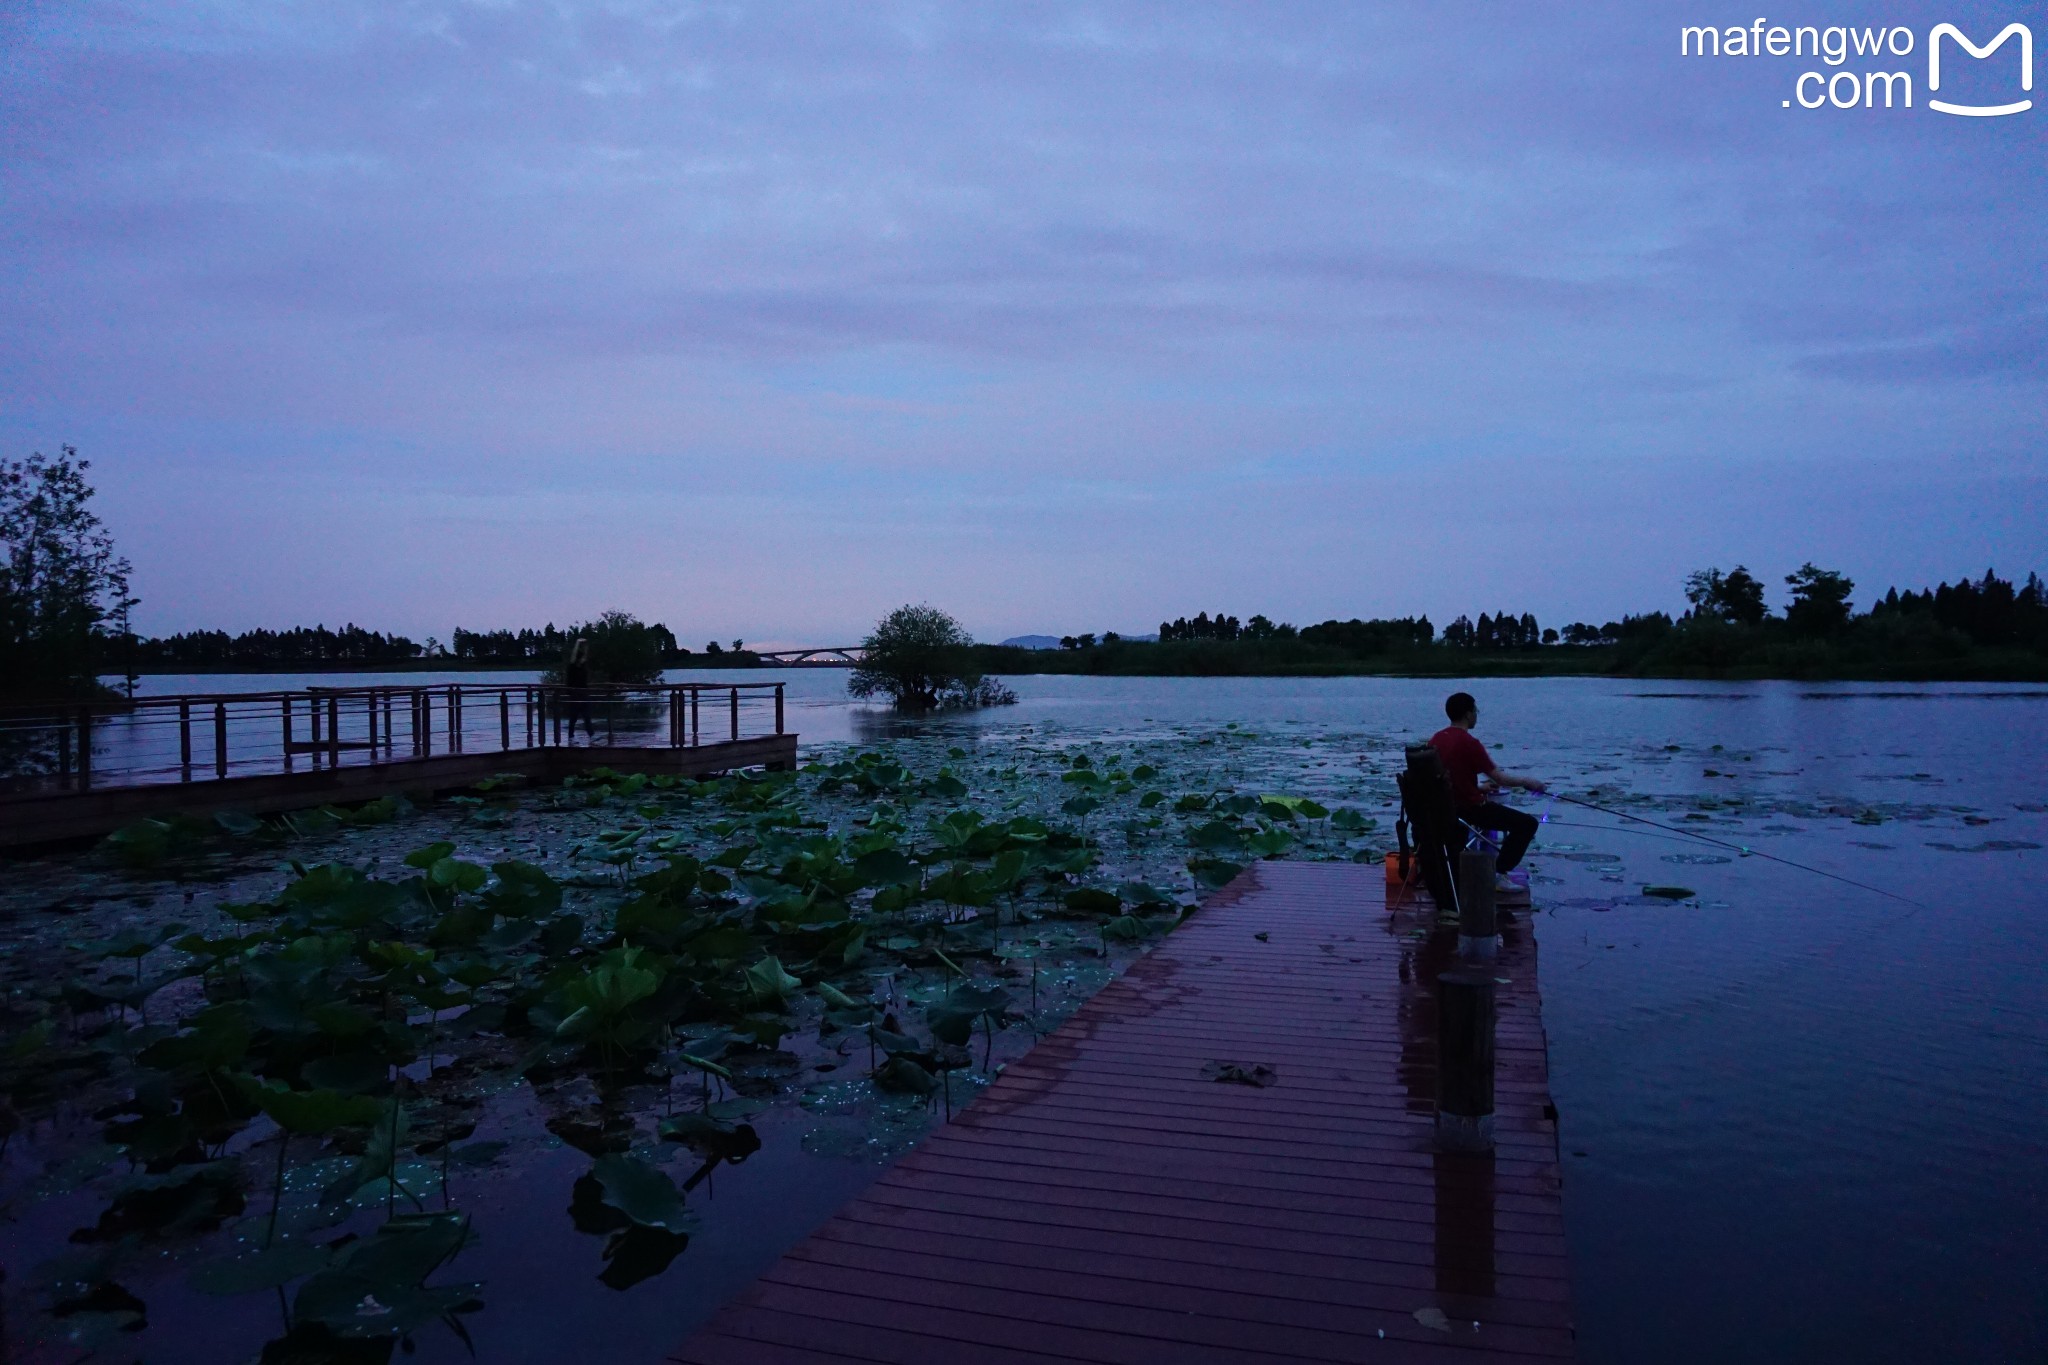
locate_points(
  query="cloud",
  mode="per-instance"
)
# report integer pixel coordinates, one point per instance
(1074, 267)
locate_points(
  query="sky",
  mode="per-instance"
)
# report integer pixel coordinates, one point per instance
(761, 320)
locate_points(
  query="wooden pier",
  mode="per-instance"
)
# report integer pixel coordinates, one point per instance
(86, 768)
(1109, 1199)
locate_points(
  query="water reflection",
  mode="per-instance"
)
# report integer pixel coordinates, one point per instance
(1464, 1224)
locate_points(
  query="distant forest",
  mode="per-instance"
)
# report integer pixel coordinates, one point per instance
(1974, 628)
(1986, 627)
(352, 646)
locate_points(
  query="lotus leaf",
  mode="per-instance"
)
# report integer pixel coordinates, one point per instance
(643, 1192)
(312, 1111)
(1213, 873)
(272, 1269)
(768, 983)
(424, 858)
(900, 1075)
(375, 1287)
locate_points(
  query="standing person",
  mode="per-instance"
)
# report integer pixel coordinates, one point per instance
(576, 679)
(1466, 761)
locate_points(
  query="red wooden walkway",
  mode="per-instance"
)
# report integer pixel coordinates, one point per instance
(1105, 1201)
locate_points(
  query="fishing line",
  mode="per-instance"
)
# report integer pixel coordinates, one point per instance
(1744, 850)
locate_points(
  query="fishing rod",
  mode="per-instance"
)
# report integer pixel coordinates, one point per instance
(1742, 849)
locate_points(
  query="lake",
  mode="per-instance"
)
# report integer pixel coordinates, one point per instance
(1800, 1120)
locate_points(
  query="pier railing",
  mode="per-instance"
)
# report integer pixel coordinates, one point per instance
(201, 737)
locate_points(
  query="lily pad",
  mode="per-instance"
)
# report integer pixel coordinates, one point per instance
(643, 1192)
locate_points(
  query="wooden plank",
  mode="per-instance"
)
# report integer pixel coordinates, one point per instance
(1104, 1201)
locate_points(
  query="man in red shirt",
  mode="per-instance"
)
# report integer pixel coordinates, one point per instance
(1466, 761)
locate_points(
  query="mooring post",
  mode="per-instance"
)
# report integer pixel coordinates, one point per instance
(333, 730)
(454, 718)
(505, 720)
(778, 708)
(370, 709)
(735, 715)
(185, 741)
(220, 739)
(1478, 932)
(1464, 1059)
(675, 719)
(696, 719)
(285, 725)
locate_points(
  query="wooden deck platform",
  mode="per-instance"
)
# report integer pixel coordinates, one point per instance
(1105, 1201)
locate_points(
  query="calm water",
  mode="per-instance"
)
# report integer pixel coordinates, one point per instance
(1801, 1121)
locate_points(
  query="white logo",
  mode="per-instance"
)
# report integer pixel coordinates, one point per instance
(2026, 38)
(1864, 51)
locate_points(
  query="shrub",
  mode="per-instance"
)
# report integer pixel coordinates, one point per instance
(921, 659)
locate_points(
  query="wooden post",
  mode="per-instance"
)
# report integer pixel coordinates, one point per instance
(454, 718)
(611, 711)
(84, 747)
(555, 705)
(333, 731)
(370, 709)
(778, 708)
(185, 742)
(313, 728)
(220, 739)
(422, 724)
(63, 750)
(696, 718)
(1464, 1059)
(390, 738)
(1478, 933)
(505, 721)
(675, 711)
(285, 725)
(735, 714)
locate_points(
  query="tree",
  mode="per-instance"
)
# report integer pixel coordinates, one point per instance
(1820, 600)
(1736, 596)
(64, 600)
(623, 650)
(919, 658)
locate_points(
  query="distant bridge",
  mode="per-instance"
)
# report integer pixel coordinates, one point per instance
(824, 656)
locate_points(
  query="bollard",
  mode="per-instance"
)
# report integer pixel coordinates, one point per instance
(1478, 933)
(1464, 1059)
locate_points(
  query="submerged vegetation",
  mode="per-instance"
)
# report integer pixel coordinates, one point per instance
(291, 1088)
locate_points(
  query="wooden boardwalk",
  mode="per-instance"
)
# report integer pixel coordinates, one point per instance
(1106, 1201)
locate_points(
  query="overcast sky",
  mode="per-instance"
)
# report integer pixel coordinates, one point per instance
(763, 319)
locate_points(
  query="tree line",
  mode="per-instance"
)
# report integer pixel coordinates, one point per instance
(1976, 627)
(66, 614)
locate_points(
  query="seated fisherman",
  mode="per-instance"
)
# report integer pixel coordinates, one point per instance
(1466, 760)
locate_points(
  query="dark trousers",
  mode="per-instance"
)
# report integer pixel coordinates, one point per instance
(1516, 828)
